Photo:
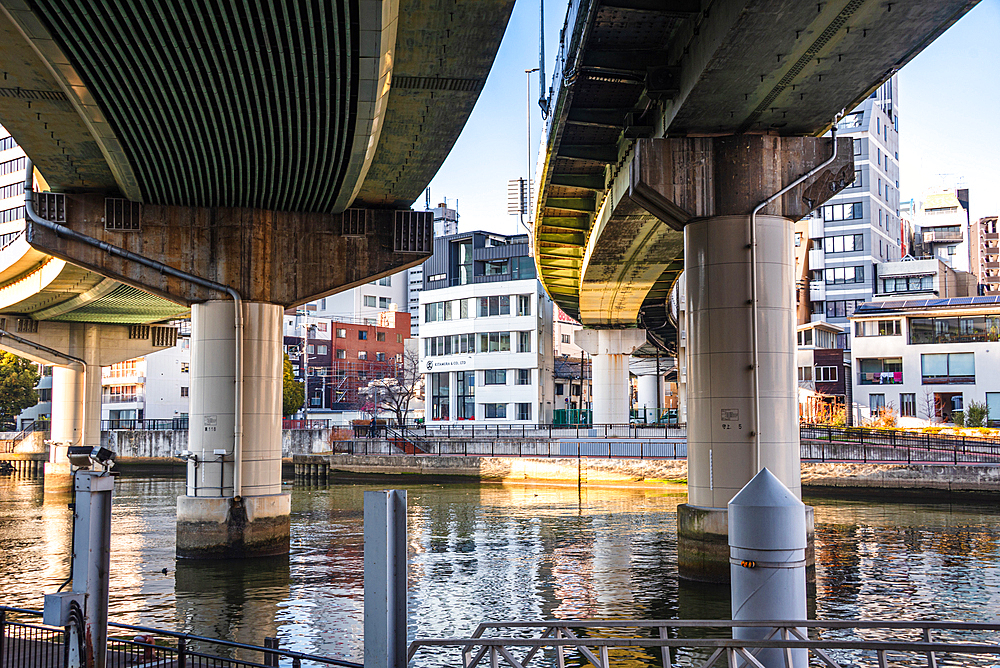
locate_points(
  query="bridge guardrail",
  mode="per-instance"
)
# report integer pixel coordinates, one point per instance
(27, 643)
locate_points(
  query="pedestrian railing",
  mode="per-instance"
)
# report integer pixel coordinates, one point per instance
(704, 644)
(516, 447)
(169, 424)
(823, 443)
(26, 643)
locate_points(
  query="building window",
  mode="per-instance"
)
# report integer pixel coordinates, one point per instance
(876, 402)
(847, 211)
(495, 377)
(310, 349)
(908, 405)
(499, 305)
(565, 338)
(524, 304)
(184, 391)
(524, 342)
(826, 374)
(362, 354)
(907, 284)
(493, 342)
(954, 330)
(805, 337)
(399, 338)
(877, 328)
(386, 281)
(369, 301)
(341, 354)
(523, 377)
(380, 336)
(844, 244)
(185, 367)
(948, 368)
(857, 147)
(560, 388)
(495, 410)
(465, 391)
(379, 357)
(842, 308)
(362, 335)
(951, 250)
(321, 350)
(341, 333)
(440, 398)
(839, 275)
(383, 302)
(523, 411)
(805, 374)
(881, 371)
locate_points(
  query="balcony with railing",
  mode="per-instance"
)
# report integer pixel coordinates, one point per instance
(129, 398)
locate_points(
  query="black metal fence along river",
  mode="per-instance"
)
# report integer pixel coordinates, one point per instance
(491, 552)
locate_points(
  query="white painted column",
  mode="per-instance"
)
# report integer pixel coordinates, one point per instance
(214, 519)
(722, 451)
(212, 412)
(610, 350)
(67, 411)
(648, 387)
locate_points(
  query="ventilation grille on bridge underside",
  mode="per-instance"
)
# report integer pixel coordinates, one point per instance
(164, 337)
(413, 232)
(27, 94)
(437, 83)
(51, 206)
(27, 326)
(122, 214)
(355, 222)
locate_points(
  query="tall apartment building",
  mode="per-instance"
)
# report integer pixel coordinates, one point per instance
(859, 228)
(985, 238)
(154, 387)
(485, 332)
(941, 227)
(445, 224)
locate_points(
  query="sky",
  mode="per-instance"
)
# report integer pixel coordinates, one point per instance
(949, 119)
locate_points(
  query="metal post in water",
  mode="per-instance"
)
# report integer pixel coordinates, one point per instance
(385, 579)
(767, 556)
(92, 557)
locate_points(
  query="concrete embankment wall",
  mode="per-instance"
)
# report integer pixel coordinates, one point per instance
(146, 444)
(555, 470)
(817, 478)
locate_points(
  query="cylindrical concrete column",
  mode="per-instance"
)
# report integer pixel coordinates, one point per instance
(648, 387)
(67, 411)
(214, 519)
(723, 451)
(609, 350)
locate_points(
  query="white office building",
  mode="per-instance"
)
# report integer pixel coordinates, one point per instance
(485, 333)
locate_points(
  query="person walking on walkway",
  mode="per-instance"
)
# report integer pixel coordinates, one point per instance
(373, 428)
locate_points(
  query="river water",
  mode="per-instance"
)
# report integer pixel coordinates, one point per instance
(490, 552)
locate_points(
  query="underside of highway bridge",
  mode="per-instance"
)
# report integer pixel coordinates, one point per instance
(232, 158)
(688, 136)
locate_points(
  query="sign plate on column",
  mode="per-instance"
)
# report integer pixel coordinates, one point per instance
(211, 422)
(730, 414)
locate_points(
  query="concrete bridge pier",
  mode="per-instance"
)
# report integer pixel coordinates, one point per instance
(610, 350)
(77, 351)
(650, 396)
(233, 506)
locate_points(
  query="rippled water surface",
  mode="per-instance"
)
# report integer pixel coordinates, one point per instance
(491, 552)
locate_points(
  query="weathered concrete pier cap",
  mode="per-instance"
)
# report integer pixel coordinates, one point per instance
(767, 548)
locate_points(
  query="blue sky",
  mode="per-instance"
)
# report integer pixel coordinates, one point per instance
(949, 118)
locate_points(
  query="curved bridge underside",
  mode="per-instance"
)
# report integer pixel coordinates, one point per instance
(272, 104)
(607, 247)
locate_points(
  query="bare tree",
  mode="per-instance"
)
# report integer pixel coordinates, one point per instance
(394, 394)
(927, 399)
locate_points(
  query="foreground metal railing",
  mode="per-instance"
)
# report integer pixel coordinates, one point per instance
(689, 643)
(26, 643)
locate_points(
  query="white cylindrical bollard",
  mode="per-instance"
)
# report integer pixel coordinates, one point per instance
(767, 543)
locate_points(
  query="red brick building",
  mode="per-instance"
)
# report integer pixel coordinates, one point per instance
(343, 356)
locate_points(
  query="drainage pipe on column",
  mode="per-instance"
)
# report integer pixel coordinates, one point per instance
(753, 284)
(63, 231)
